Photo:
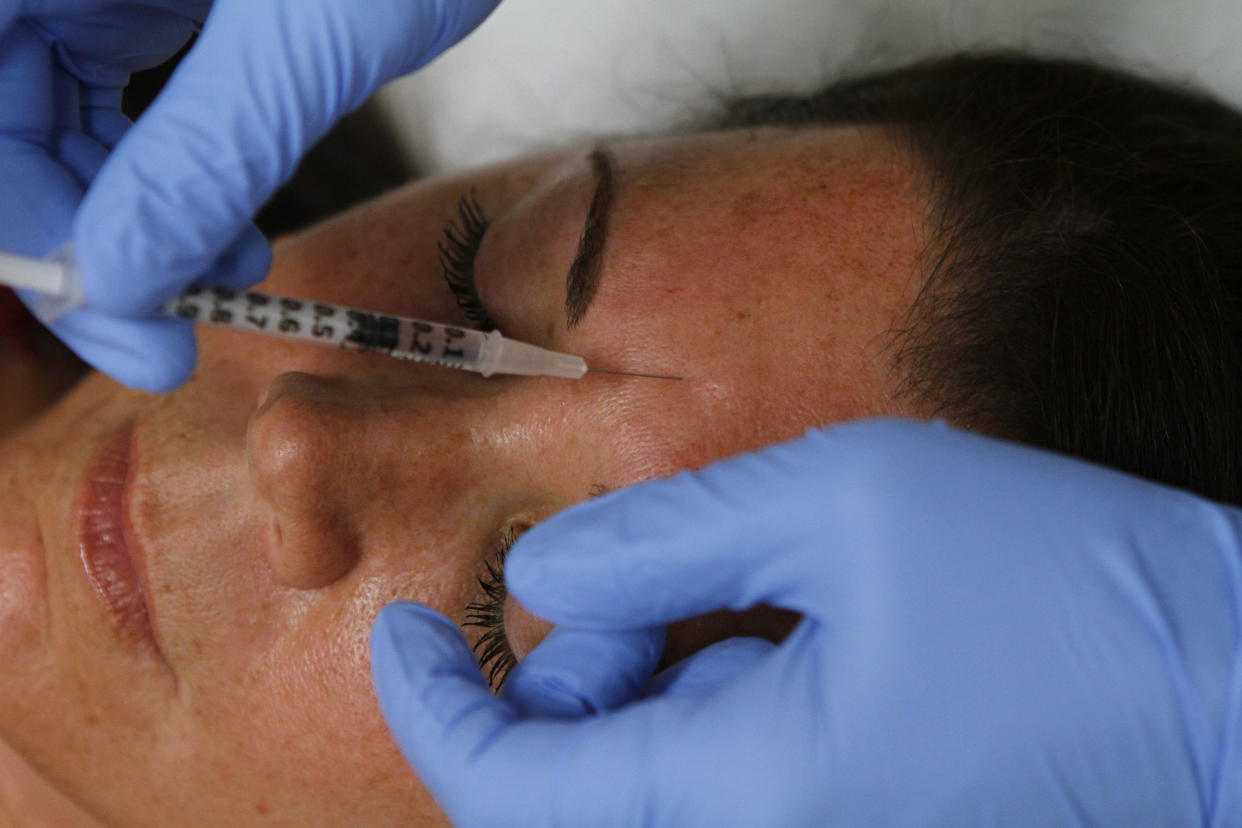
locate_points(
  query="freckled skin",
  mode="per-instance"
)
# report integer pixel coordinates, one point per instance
(288, 492)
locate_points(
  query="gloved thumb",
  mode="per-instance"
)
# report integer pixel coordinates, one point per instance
(543, 771)
(710, 668)
(579, 672)
(728, 536)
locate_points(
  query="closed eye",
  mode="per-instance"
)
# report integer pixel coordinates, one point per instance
(458, 250)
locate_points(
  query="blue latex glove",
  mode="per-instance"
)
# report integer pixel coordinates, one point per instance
(991, 636)
(170, 200)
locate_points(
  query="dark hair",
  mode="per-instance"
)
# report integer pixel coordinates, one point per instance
(1082, 291)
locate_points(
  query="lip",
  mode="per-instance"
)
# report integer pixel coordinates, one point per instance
(112, 561)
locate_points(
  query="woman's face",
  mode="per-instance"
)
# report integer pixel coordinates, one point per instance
(271, 506)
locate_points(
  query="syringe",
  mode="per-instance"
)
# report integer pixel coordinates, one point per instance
(361, 330)
(56, 279)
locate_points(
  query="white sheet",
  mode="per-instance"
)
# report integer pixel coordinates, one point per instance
(540, 72)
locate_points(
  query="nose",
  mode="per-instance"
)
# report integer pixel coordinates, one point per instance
(342, 465)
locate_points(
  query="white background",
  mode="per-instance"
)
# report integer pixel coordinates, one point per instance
(541, 72)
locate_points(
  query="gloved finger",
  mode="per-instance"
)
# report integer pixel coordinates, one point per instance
(451, 729)
(44, 101)
(710, 668)
(806, 525)
(40, 196)
(31, 86)
(101, 116)
(46, 160)
(122, 348)
(80, 154)
(102, 43)
(261, 85)
(573, 673)
(243, 263)
(431, 691)
(625, 763)
(729, 536)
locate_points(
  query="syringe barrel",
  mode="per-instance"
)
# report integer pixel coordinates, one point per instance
(59, 286)
(430, 342)
(326, 324)
(359, 330)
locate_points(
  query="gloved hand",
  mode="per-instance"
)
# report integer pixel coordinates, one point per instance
(170, 200)
(991, 635)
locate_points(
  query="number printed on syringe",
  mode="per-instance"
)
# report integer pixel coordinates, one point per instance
(349, 328)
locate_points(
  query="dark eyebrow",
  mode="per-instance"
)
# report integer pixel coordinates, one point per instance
(583, 278)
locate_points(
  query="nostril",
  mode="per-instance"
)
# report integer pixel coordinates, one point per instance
(275, 538)
(312, 552)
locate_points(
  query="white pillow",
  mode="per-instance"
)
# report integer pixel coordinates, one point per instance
(541, 72)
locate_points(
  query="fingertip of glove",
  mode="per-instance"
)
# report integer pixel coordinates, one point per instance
(425, 677)
(245, 262)
(178, 353)
(151, 355)
(163, 378)
(550, 548)
(524, 565)
(542, 587)
(405, 627)
(404, 615)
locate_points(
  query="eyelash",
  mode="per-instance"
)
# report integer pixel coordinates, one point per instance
(495, 656)
(458, 250)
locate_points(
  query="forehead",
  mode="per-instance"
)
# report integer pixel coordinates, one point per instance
(770, 268)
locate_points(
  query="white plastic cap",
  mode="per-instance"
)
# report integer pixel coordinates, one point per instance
(508, 356)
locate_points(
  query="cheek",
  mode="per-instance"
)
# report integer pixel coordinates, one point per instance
(22, 600)
(299, 728)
